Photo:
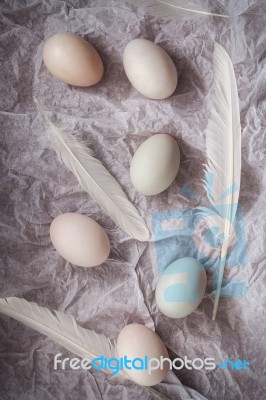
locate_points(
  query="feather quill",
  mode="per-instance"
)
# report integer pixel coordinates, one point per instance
(177, 8)
(97, 181)
(63, 329)
(223, 144)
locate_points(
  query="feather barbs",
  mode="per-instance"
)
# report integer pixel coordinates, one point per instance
(96, 180)
(179, 8)
(62, 328)
(223, 144)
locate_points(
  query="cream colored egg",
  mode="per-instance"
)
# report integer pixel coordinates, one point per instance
(155, 164)
(149, 69)
(137, 341)
(181, 287)
(73, 60)
(79, 239)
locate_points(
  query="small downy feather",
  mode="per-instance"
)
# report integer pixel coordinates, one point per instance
(223, 144)
(97, 181)
(171, 9)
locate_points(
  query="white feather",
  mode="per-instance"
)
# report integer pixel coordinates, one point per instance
(97, 181)
(177, 8)
(63, 329)
(223, 143)
(60, 327)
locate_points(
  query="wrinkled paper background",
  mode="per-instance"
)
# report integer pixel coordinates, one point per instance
(115, 120)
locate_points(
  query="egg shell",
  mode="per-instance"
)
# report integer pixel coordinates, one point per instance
(73, 60)
(79, 239)
(181, 288)
(155, 164)
(149, 69)
(138, 341)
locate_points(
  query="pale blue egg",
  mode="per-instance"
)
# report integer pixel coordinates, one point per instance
(181, 287)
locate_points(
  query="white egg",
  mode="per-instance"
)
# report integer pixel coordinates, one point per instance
(181, 288)
(138, 341)
(72, 59)
(155, 164)
(149, 69)
(79, 239)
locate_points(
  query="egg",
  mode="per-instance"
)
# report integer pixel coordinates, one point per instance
(79, 239)
(181, 288)
(149, 69)
(155, 164)
(138, 341)
(73, 60)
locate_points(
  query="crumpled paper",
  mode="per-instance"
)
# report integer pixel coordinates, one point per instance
(115, 120)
